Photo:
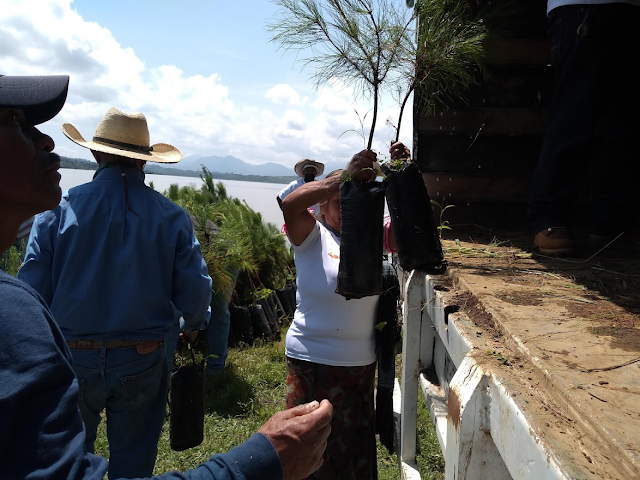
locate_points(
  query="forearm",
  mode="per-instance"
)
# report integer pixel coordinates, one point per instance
(256, 458)
(309, 194)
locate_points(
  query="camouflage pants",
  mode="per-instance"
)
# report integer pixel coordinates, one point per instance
(351, 448)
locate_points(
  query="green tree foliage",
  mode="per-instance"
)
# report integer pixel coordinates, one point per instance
(441, 55)
(356, 41)
(234, 238)
(434, 49)
(11, 259)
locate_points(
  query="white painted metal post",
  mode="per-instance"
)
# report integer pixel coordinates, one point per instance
(413, 295)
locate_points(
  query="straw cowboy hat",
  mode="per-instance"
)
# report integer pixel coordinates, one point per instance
(126, 135)
(308, 162)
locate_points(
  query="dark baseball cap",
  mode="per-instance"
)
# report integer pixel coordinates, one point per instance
(39, 97)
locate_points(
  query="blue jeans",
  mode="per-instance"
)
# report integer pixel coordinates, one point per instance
(593, 118)
(218, 333)
(133, 390)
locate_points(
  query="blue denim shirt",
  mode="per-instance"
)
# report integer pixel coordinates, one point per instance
(111, 258)
(41, 430)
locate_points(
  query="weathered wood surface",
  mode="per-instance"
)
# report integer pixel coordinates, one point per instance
(542, 369)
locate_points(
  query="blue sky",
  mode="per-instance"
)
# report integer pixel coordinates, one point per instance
(202, 71)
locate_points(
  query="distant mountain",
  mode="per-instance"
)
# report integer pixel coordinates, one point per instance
(77, 163)
(190, 158)
(230, 164)
(190, 166)
(170, 169)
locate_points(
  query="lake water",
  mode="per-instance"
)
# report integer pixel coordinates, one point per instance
(261, 197)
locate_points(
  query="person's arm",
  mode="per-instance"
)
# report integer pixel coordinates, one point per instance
(41, 432)
(299, 221)
(39, 412)
(36, 270)
(290, 445)
(191, 280)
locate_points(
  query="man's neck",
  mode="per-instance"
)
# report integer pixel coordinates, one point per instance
(10, 222)
(123, 163)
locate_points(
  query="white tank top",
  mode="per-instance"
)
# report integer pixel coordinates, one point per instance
(327, 328)
(551, 4)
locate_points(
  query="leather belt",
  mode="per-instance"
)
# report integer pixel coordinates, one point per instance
(141, 346)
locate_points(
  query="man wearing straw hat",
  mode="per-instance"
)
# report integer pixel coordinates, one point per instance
(307, 169)
(109, 261)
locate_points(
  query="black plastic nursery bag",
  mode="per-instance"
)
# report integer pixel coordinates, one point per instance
(387, 336)
(241, 324)
(412, 221)
(361, 232)
(186, 422)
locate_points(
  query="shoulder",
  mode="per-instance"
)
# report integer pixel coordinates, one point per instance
(18, 300)
(166, 207)
(27, 325)
(22, 305)
(290, 188)
(314, 238)
(167, 203)
(82, 189)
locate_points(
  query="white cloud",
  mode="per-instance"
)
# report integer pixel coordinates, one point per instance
(195, 112)
(283, 94)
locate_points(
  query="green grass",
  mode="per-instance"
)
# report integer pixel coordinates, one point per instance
(251, 389)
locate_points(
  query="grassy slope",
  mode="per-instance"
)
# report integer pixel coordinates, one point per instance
(250, 390)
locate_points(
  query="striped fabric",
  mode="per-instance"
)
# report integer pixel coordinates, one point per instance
(25, 229)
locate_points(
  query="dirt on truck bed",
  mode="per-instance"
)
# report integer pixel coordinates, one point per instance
(565, 332)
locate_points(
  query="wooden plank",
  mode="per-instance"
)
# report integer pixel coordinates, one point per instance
(529, 51)
(484, 121)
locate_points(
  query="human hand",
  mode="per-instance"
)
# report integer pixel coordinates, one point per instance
(399, 150)
(189, 337)
(361, 166)
(299, 435)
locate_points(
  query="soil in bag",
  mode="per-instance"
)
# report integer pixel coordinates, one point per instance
(361, 216)
(412, 221)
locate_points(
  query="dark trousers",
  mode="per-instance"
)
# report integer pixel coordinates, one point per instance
(351, 446)
(594, 114)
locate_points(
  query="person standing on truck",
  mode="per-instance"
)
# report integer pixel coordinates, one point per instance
(595, 109)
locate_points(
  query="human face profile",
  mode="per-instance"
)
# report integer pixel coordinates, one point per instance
(30, 181)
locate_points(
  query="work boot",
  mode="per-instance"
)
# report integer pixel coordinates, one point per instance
(555, 242)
